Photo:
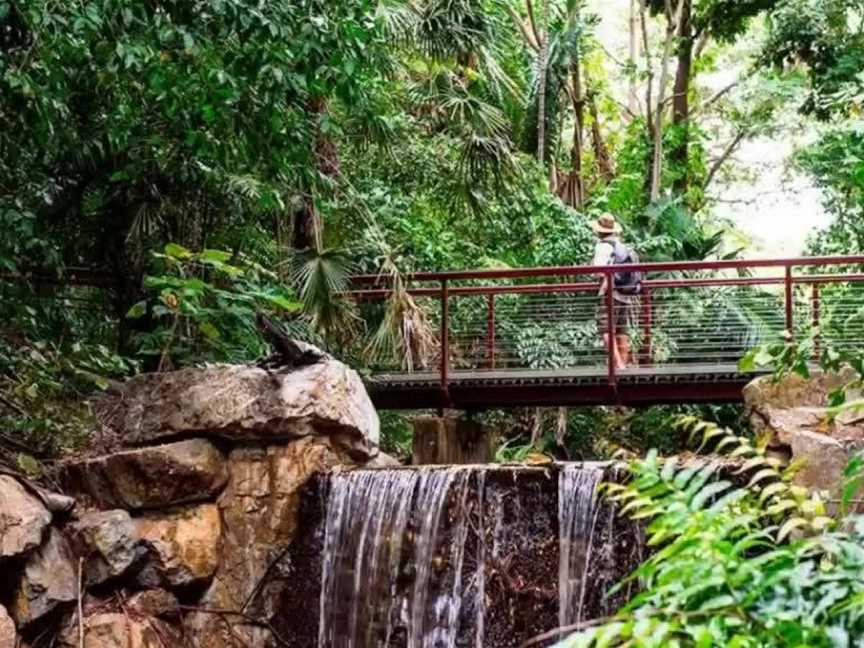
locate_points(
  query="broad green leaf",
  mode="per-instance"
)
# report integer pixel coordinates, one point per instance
(176, 251)
(137, 310)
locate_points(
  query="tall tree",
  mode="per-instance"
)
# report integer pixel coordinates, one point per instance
(697, 23)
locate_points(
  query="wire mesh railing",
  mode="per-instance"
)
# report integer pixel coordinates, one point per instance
(688, 316)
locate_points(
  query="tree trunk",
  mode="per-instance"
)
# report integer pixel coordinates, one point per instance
(681, 96)
(125, 257)
(672, 18)
(305, 221)
(601, 151)
(572, 190)
(632, 97)
(541, 85)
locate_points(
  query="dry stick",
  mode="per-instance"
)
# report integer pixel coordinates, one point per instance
(80, 602)
(261, 623)
(557, 632)
(261, 581)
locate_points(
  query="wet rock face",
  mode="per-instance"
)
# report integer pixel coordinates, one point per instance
(49, 580)
(23, 519)
(250, 403)
(152, 477)
(793, 412)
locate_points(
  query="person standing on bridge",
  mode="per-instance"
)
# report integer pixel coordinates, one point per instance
(625, 289)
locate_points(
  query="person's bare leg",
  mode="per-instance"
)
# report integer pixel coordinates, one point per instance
(622, 343)
(616, 354)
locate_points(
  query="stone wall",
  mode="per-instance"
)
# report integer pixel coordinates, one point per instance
(173, 536)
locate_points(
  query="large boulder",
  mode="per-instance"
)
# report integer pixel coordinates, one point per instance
(23, 519)
(241, 402)
(183, 545)
(8, 636)
(793, 414)
(108, 540)
(259, 509)
(49, 579)
(154, 477)
(118, 630)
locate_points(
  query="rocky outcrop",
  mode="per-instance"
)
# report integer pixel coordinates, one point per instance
(198, 501)
(259, 508)
(8, 636)
(793, 414)
(49, 579)
(108, 542)
(152, 477)
(250, 403)
(183, 545)
(23, 519)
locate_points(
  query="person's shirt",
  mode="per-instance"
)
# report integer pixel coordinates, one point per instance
(603, 256)
(603, 251)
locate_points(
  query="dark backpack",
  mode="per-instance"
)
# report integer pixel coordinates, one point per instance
(630, 281)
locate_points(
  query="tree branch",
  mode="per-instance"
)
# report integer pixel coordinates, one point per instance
(727, 153)
(527, 34)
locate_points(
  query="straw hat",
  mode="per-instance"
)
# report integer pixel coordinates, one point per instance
(606, 224)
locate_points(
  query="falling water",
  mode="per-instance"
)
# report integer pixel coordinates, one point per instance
(577, 517)
(362, 553)
(374, 519)
(464, 556)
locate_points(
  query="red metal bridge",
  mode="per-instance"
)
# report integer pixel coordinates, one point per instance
(514, 337)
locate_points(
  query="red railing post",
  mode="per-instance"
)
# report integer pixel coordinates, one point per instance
(817, 308)
(490, 330)
(609, 281)
(647, 325)
(790, 324)
(445, 340)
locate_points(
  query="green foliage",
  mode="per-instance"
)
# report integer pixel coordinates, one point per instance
(205, 305)
(396, 434)
(825, 36)
(759, 566)
(782, 357)
(44, 387)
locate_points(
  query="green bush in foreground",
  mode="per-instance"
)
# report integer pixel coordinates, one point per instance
(739, 567)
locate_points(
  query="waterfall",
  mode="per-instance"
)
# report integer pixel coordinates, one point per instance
(457, 557)
(577, 517)
(378, 524)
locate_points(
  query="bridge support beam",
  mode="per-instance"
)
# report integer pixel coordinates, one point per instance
(450, 440)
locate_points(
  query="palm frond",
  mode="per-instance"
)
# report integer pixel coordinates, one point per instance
(321, 278)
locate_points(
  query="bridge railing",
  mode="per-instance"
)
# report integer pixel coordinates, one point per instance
(689, 314)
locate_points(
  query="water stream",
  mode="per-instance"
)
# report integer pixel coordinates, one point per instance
(460, 556)
(577, 518)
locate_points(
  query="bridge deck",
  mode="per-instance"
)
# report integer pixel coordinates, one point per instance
(702, 382)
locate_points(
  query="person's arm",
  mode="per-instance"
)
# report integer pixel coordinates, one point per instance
(602, 254)
(602, 257)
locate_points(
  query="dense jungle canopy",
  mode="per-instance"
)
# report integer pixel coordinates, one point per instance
(170, 167)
